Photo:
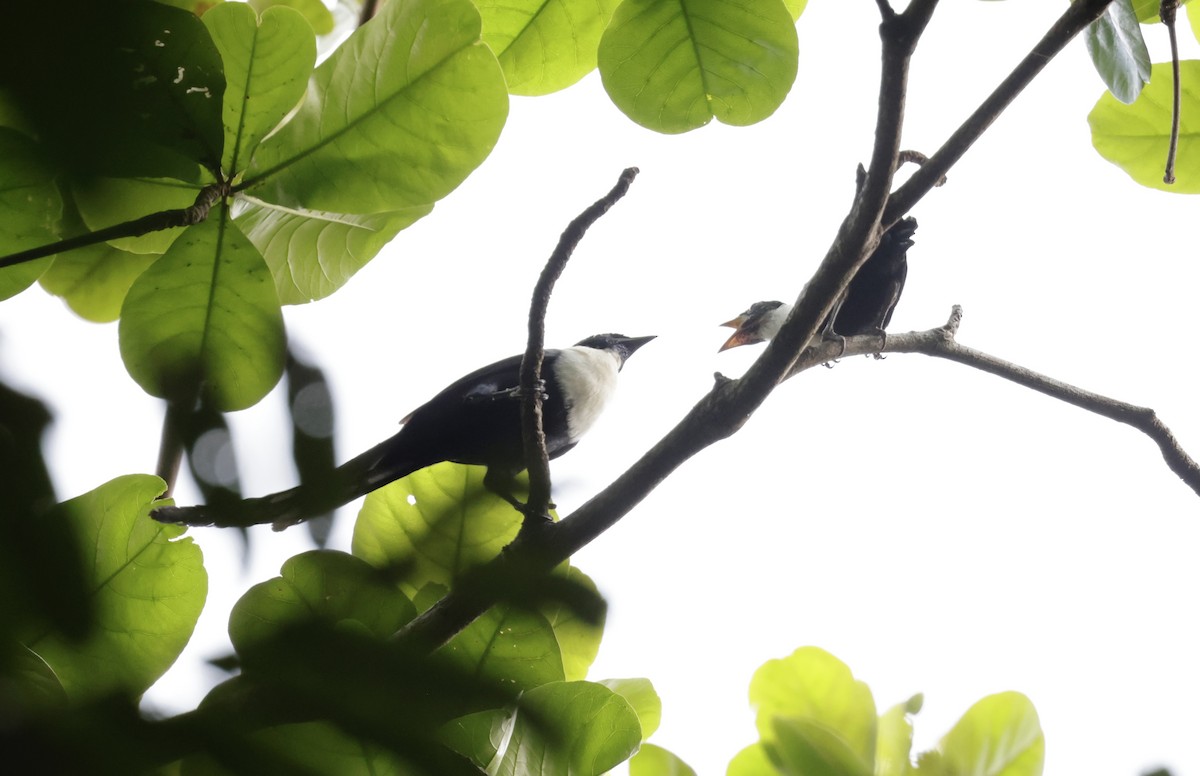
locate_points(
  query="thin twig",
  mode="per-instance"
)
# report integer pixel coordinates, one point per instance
(165, 219)
(536, 459)
(170, 447)
(1078, 15)
(1166, 10)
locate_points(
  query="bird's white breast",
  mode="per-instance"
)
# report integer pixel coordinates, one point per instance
(587, 378)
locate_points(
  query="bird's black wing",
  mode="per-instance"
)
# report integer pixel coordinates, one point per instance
(874, 291)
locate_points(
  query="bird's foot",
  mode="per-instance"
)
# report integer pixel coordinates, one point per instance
(882, 346)
(830, 334)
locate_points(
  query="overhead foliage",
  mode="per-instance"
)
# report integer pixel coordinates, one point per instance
(277, 178)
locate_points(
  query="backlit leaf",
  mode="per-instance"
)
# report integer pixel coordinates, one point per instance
(148, 585)
(1136, 137)
(205, 317)
(674, 65)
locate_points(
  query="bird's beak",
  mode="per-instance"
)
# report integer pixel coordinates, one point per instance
(739, 337)
(633, 343)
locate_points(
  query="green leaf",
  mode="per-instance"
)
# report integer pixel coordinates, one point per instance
(318, 747)
(267, 64)
(324, 584)
(396, 118)
(998, 736)
(795, 7)
(104, 202)
(804, 746)
(148, 586)
(578, 639)
(144, 79)
(673, 65)
(1193, 17)
(30, 208)
(441, 520)
(544, 45)
(94, 280)
(205, 317)
(813, 685)
(314, 12)
(30, 683)
(652, 760)
(507, 645)
(751, 761)
(311, 253)
(642, 698)
(596, 730)
(893, 747)
(1117, 49)
(1135, 137)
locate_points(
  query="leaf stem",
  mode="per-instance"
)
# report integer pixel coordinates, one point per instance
(1166, 10)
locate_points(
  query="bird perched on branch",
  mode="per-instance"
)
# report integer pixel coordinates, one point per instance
(865, 308)
(474, 420)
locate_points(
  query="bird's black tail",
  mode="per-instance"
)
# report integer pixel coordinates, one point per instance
(357, 477)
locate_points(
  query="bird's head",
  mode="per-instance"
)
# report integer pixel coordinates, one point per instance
(758, 324)
(620, 345)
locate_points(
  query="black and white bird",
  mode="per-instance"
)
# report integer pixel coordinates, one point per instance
(866, 307)
(474, 420)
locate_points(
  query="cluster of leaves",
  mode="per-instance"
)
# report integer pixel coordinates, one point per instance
(1131, 123)
(323, 685)
(305, 172)
(815, 717)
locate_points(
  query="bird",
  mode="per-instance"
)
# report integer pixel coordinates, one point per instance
(474, 420)
(865, 308)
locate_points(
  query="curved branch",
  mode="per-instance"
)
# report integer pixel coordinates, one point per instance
(536, 459)
(166, 219)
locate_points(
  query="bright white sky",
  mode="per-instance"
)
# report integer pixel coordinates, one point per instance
(940, 530)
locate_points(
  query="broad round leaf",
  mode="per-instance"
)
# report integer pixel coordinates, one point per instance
(751, 761)
(1136, 137)
(396, 118)
(205, 317)
(324, 584)
(267, 64)
(673, 65)
(30, 208)
(998, 736)
(147, 582)
(811, 684)
(312, 253)
(544, 46)
(440, 520)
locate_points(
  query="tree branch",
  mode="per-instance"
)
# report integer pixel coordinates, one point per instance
(723, 411)
(1078, 15)
(941, 343)
(536, 459)
(166, 219)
